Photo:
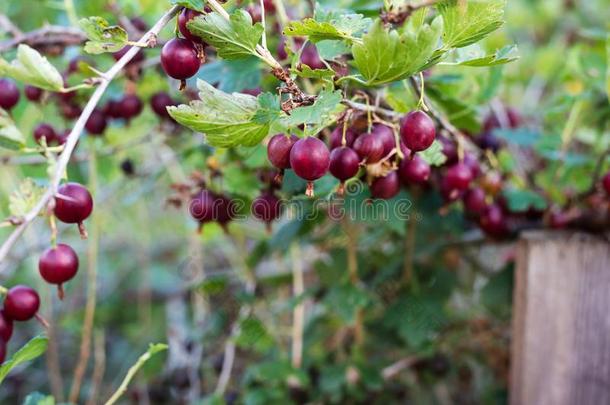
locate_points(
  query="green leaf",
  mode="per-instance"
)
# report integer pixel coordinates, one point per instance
(232, 75)
(386, 56)
(322, 113)
(345, 299)
(36, 398)
(434, 154)
(309, 73)
(253, 334)
(10, 136)
(32, 349)
(330, 50)
(328, 25)
(32, 68)
(522, 200)
(192, 4)
(234, 39)
(103, 37)
(228, 119)
(22, 200)
(474, 56)
(466, 22)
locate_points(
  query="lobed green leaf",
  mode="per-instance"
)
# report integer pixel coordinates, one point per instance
(467, 22)
(103, 37)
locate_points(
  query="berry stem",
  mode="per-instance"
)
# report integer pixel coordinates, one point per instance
(42, 321)
(83, 231)
(60, 292)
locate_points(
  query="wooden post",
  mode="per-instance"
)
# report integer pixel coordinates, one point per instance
(561, 320)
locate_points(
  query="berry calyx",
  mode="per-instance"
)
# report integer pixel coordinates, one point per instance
(97, 122)
(185, 16)
(417, 131)
(21, 303)
(344, 164)
(58, 265)
(9, 94)
(33, 93)
(369, 148)
(180, 60)
(386, 187)
(309, 158)
(159, 103)
(73, 205)
(46, 132)
(6, 327)
(414, 171)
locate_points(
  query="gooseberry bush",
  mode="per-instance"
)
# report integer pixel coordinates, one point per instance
(298, 199)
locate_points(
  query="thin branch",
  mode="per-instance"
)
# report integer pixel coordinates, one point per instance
(7, 25)
(99, 366)
(394, 369)
(64, 158)
(50, 35)
(400, 14)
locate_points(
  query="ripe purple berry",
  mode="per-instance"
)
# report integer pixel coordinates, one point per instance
(159, 103)
(606, 183)
(185, 16)
(267, 208)
(44, 131)
(58, 265)
(309, 158)
(369, 148)
(179, 59)
(6, 327)
(278, 150)
(474, 201)
(493, 221)
(414, 171)
(344, 164)
(130, 106)
(32, 93)
(97, 122)
(417, 131)
(310, 57)
(386, 187)
(2, 350)
(336, 137)
(459, 177)
(73, 204)
(21, 303)
(203, 207)
(386, 135)
(9, 94)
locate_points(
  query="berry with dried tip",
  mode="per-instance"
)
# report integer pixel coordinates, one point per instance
(414, 171)
(159, 103)
(309, 158)
(112, 109)
(386, 187)
(21, 303)
(6, 327)
(344, 164)
(58, 265)
(97, 122)
(369, 148)
(179, 59)
(73, 205)
(226, 210)
(9, 94)
(33, 93)
(278, 150)
(45, 131)
(185, 16)
(417, 131)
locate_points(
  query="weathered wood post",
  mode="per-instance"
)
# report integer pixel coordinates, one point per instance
(561, 320)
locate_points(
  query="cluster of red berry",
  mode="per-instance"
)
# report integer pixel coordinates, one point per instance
(21, 303)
